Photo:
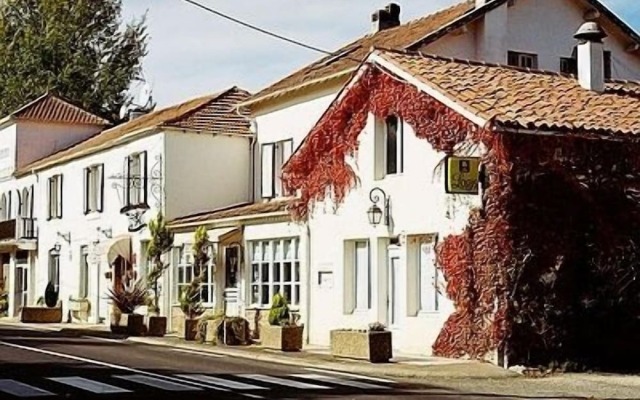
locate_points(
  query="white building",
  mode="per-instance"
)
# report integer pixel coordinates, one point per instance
(94, 199)
(535, 34)
(43, 127)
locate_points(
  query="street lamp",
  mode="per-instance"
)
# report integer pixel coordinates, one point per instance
(375, 213)
(56, 249)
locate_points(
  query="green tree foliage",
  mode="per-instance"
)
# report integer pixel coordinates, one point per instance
(161, 242)
(77, 49)
(190, 298)
(279, 313)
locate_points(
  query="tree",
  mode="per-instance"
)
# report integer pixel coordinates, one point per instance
(77, 49)
(190, 299)
(160, 244)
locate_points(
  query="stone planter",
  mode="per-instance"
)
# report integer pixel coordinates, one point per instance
(190, 329)
(128, 324)
(41, 315)
(285, 338)
(156, 326)
(211, 330)
(79, 309)
(364, 345)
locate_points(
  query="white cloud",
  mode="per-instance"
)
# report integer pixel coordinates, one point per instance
(193, 52)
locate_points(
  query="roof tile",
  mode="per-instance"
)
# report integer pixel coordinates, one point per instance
(51, 108)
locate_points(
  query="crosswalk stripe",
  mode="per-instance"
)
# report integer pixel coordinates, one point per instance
(338, 381)
(223, 382)
(367, 378)
(89, 385)
(157, 383)
(282, 381)
(19, 389)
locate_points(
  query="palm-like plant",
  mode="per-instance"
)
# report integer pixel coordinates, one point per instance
(190, 298)
(130, 298)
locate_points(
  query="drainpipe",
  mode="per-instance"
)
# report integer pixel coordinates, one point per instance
(307, 267)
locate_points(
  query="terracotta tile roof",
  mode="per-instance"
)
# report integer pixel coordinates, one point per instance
(349, 57)
(214, 113)
(51, 108)
(525, 98)
(238, 210)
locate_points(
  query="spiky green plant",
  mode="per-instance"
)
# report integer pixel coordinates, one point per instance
(160, 244)
(279, 312)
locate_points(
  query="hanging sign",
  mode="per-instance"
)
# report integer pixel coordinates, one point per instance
(462, 175)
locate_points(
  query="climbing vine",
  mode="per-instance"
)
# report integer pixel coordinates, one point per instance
(553, 249)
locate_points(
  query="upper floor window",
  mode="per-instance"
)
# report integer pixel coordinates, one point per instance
(393, 145)
(569, 65)
(4, 207)
(607, 64)
(522, 60)
(55, 197)
(93, 189)
(274, 156)
(136, 179)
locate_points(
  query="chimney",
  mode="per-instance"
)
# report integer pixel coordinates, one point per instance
(386, 18)
(591, 56)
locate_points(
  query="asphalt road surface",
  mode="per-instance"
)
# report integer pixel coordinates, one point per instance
(55, 365)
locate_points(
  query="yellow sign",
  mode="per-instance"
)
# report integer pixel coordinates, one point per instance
(462, 175)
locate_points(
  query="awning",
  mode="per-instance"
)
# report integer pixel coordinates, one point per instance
(119, 247)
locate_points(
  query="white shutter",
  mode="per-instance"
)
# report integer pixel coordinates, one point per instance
(100, 188)
(428, 278)
(59, 195)
(362, 276)
(86, 189)
(144, 177)
(268, 159)
(287, 150)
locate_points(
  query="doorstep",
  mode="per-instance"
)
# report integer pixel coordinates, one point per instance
(404, 366)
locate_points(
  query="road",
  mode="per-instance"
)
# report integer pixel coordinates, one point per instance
(35, 364)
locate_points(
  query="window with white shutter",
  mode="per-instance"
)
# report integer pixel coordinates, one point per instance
(93, 188)
(55, 197)
(136, 191)
(268, 153)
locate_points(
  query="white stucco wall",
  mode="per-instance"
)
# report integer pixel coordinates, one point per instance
(205, 172)
(37, 139)
(419, 205)
(8, 154)
(542, 27)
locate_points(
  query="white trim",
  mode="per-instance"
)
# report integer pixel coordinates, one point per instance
(214, 223)
(431, 91)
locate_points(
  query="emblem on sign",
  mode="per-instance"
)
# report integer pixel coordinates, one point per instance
(462, 175)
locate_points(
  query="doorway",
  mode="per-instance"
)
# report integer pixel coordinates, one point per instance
(394, 291)
(21, 294)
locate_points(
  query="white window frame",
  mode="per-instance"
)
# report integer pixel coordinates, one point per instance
(136, 180)
(522, 60)
(273, 157)
(271, 257)
(185, 264)
(83, 286)
(362, 276)
(94, 189)
(399, 143)
(55, 197)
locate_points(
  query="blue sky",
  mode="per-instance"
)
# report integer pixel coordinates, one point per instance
(193, 52)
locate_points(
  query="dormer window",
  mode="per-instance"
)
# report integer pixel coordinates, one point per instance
(522, 60)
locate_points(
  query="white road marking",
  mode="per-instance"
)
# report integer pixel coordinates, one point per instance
(282, 381)
(157, 383)
(199, 353)
(119, 341)
(339, 381)
(19, 389)
(369, 378)
(115, 366)
(89, 385)
(223, 382)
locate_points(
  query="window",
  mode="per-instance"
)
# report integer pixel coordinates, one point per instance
(185, 272)
(568, 65)
(54, 270)
(607, 64)
(4, 211)
(393, 145)
(429, 277)
(363, 275)
(93, 189)
(274, 156)
(26, 203)
(136, 180)
(55, 197)
(83, 291)
(522, 60)
(275, 268)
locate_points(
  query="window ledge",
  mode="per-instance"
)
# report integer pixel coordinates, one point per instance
(93, 215)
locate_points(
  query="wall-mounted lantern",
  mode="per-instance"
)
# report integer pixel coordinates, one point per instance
(375, 213)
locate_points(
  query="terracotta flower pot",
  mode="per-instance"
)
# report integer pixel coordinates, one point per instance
(190, 329)
(156, 326)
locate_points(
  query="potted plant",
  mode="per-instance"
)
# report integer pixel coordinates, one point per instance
(4, 303)
(373, 344)
(190, 297)
(283, 332)
(125, 302)
(161, 243)
(47, 313)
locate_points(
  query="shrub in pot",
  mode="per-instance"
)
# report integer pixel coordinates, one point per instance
(125, 302)
(283, 332)
(161, 242)
(373, 344)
